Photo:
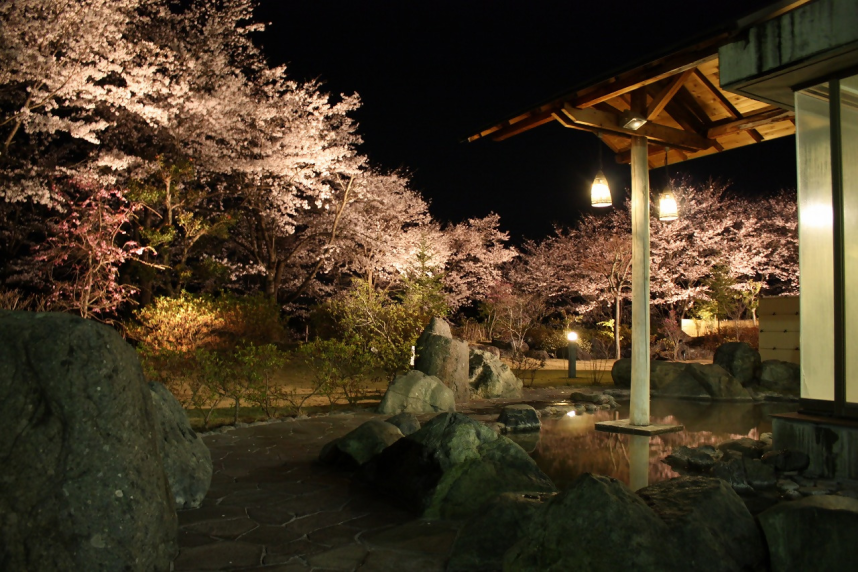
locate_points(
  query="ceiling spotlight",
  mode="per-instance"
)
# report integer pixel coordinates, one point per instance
(631, 120)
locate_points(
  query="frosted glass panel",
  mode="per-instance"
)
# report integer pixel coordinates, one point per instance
(815, 257)
(849, 142)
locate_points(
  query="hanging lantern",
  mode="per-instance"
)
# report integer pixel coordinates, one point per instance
(667, 209)
(600, 194)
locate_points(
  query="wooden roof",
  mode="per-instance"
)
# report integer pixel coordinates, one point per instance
(680, 95)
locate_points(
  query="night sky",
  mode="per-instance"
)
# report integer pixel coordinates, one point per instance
(432, 72)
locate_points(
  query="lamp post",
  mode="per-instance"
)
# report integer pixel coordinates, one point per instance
(572, 353)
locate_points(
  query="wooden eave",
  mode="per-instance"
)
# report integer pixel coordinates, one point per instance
(680, 94)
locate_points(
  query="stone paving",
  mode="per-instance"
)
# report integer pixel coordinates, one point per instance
(272, 507)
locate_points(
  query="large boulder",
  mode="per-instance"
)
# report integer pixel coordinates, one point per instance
(495, 351)
(708, 523)
(519, 418)
(361, 444)
(483, 540)
(452, 466)
(718, 383)
(82, 483)
(416, 392)
(675, 379)
(814, 533)
(596, 524)
(600, 399)
(440, 355)
(780, 377)
(406, 422)
(490, 377)
(187, 460)
(700, 459)
(739, 359)
(621, 372)
(745, 446)
(685, 380)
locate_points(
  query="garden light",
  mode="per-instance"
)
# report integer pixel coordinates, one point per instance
(572, 353)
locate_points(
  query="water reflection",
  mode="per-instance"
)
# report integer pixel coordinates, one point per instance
(570, 446)
(638, 461)
(527, 441)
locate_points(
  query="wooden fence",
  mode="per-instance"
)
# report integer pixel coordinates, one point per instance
(696, 328)
(779, 332)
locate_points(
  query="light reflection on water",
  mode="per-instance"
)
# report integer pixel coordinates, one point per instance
(570, 446)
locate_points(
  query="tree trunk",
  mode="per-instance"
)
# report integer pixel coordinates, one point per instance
(618, 304)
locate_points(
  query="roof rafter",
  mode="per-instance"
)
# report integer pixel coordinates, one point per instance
(666, 94)
(645, 75)
(590, 119)
(534, 120)
(726, 104)
(766, 116)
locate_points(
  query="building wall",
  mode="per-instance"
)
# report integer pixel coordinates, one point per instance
(778, 55)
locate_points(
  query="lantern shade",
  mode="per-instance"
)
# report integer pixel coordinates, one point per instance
(600, 194)
(667, 209)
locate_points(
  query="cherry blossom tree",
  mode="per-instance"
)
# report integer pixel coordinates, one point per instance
(587, 266)
(478, 252)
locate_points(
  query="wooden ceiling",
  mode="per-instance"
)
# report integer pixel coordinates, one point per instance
(681, 97)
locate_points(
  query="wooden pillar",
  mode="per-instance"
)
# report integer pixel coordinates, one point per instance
(639, 409)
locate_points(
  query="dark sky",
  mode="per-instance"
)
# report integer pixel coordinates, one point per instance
(431, 72)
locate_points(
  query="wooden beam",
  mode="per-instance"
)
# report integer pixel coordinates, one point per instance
(600, 120)
(666, 94)
(638, 100)
(625, 155)
(749, 122)
(755, 135)
(719, 95)
(650, 73)
(685, 118)
(523, 125)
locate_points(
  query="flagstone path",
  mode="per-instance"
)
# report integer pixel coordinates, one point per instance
(271, 507)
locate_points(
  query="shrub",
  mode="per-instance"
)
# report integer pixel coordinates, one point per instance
(378, 326)
(190, 322)
(339, 368)
(205, 349)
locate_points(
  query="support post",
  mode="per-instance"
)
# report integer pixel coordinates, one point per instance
(639, 409)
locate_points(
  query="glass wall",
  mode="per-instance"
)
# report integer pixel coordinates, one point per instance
(849, 147)
(816, 259)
